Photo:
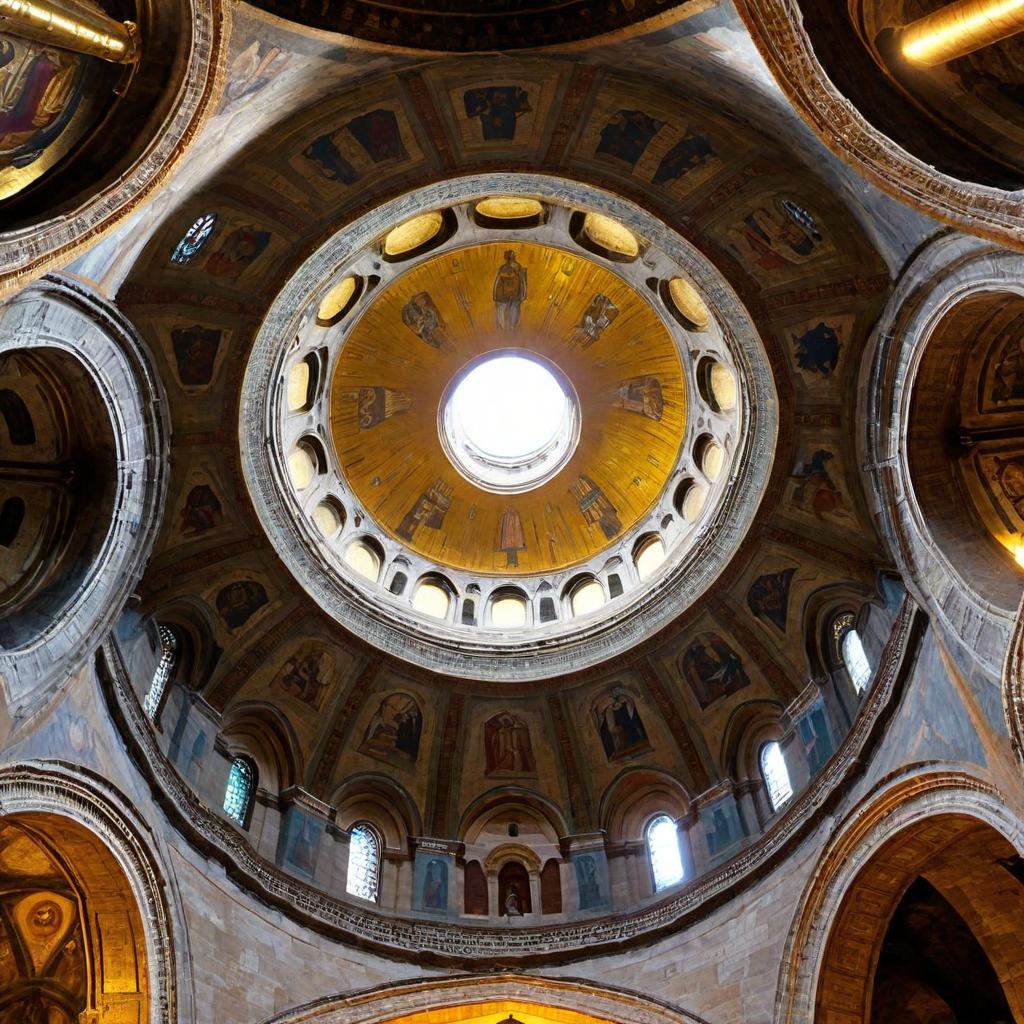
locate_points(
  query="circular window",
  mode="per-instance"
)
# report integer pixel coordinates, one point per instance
(509, 422)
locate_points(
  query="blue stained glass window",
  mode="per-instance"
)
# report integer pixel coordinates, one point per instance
(164, 668)
(363, 863)
(238, 794)
(195, 238)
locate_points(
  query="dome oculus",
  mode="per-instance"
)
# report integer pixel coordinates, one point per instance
(509, 422)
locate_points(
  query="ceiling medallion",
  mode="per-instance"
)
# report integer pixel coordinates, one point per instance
(515, 443)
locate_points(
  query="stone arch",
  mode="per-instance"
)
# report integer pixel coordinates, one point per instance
(944, 275)
(111, 865)
(572, 1000)
(883, 844)
(634, 797)
(59, 326)
(263, 733)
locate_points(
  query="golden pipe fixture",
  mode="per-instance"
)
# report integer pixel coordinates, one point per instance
(959, 29)
(71, 25)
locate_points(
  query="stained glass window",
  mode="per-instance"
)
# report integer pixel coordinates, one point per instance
(164, 668)
(195, 238)
(363, 863)
(239, 791)
(776, 775)
(663, 850)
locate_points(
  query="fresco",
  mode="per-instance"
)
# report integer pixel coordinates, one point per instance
(778, 234)
(641, 395)
(497, 108)
(817, 488)
(195, 353)
(592, 881)
(507, 746)
(509, 292)
(627, 134)
(599, 314)
(619, 723)
(201, 511)
(812, 728)
(511, 538)
(238, 602)
(1002, 386)
(712, 669)
(306, 674)
(723, 829)
(430, 882)
(393, 733)
(49, 98)
(237, 250)
(421, 315)
(595, 508)
(429, 511)
(768, 597)
(299, 844)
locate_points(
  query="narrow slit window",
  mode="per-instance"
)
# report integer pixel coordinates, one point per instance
(856, 660)
(164, 669)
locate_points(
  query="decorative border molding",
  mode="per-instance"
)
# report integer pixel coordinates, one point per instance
(897, 804)
(451, 944)
(544, 655)
(386, 1002)
(27, 252)
(776, 26)
(944, 274)
(1013, 685)
(52, 787)
(60, 313)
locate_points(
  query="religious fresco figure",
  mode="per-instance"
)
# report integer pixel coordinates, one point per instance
(202, 511)
(597, 510)
(305, 675)
(720, 835)
(239, 601)
(498, 107)
(511, 537)
(195, 352)
(713, 669)
(252, 69)
(394, 731)
(641, 395)
(817, 350)
(768, 597)
(378, 133)
(587, 882)
(40, 90)
(509, 292)
(816, 738)
(619, 723)
(375, 405)
(424, 319)
(435, 885)
(1008, 374)
(817, 491)
(780, 236)
(1009, 477)
(507, 746)
(332, 164)
(689, 153)
(237, 250)
(598, 315)
(430, 509)
(627, 134)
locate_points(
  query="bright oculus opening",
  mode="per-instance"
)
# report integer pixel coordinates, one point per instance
(509, 422)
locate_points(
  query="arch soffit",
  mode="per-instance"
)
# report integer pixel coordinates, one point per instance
(388, 1002)
(899, 803)
(61, 314)
(383, 802)
(40, 787)
(634, 796)
(948, 271)
(748, 726)
(506, 799)
(508, 853)
(264, 732)
(776, 27)
(820, 607)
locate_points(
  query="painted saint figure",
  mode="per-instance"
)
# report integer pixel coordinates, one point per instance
(36, 86)
(424, 319)
(713, 669)
(595, 507)
(817, 491)
(507, 744)
(619, 724)
(394, 731)
(509, 292)
(642, 395)
(596, 317)
(429, 511)
(512, 539)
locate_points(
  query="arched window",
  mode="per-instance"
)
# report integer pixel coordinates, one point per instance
(363, 863)
(240, 789)
(775, 775)
(164, 668)
(855, 659)
(663, 851)
(195, 238)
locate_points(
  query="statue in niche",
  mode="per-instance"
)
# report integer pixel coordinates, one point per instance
(713, 669)
(509, 292)
(507, 745)
(424, 319)
(511, 539)
(429, 510)
(394, 731)
(627, 134)
(641, 395)
(597, 510)
(305, 675)
(619, 723)
(375, 405)
(238, 602)
(512, 903)
(596, 317)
